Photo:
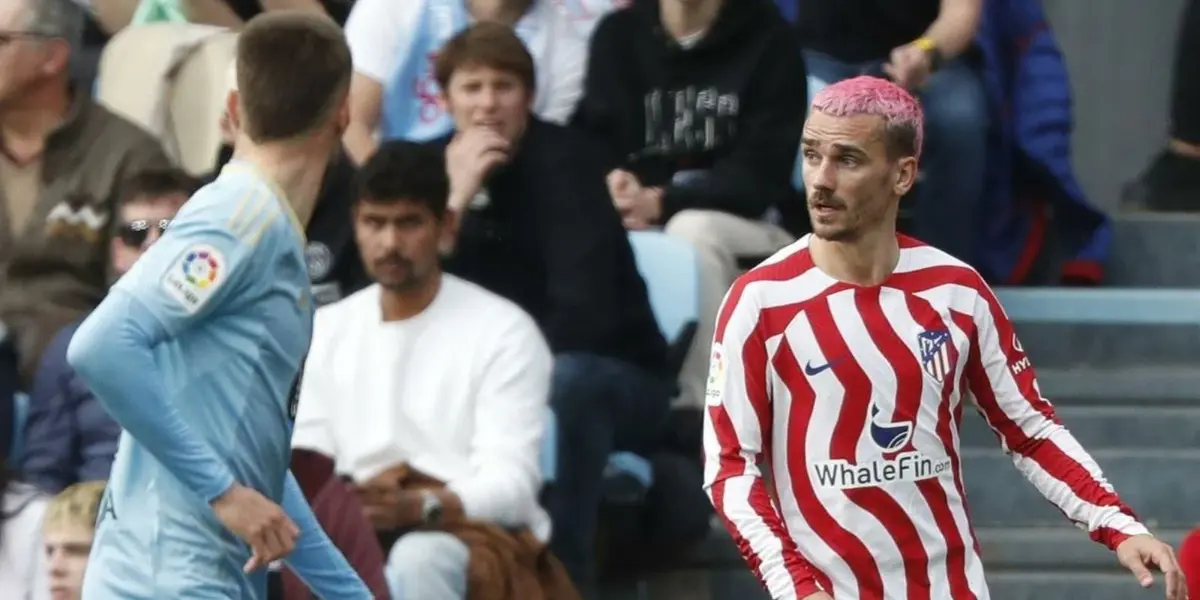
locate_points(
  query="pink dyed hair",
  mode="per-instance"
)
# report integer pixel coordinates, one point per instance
(903, 119)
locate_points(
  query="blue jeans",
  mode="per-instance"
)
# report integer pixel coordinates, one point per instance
(950, 194)
(427, 565)
(603, 405)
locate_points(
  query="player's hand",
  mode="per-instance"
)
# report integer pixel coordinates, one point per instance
(818, 596)
(258, 522)
(471, 155)
(1140, 552)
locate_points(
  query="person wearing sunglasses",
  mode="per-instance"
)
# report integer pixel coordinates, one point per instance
(69, 437)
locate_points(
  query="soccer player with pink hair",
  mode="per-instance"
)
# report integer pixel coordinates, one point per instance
(845, 362)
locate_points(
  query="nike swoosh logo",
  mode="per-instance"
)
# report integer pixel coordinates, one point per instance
(813, 371)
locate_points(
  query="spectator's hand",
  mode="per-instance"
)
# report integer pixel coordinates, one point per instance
(471, 155)
(642, 209)
(622, 184)
(909, 66)
(1139, 552)
(258, 522)
(390, 507)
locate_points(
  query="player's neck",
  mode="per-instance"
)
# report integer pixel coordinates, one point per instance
(297, 174)
(867, 261)
(396, 305)
(683, 18)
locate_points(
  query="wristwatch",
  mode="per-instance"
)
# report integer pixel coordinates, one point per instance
(431, 509)
(929, 45)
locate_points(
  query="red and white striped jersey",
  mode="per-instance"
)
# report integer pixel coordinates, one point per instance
(854, 396)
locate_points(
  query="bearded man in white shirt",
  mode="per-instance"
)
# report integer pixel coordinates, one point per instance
(425, 377)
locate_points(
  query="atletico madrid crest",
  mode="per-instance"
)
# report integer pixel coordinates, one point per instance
(935, 353)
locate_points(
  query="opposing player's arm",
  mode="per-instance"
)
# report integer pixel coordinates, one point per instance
(316, 561)
(190, 273)
(1002, 384)
(736, 419)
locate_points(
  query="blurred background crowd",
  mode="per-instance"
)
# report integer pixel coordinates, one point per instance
(649, 157)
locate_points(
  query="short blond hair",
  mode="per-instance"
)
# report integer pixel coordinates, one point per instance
(76, 506)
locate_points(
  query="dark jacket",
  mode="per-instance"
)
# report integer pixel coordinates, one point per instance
(854, 31)
(550, 240)
(334, 264)
(718, 124)
(1029, 173)
(10, 383)
(69, 437)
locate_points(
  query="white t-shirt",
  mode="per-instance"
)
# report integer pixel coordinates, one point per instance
(23, 569)
(458, 392)
(585, 14)
(379, 33)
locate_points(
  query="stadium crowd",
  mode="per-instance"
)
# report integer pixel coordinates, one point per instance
(530, 196)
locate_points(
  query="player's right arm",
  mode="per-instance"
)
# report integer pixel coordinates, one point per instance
(322, 567)
(737, 413)
(180, 280)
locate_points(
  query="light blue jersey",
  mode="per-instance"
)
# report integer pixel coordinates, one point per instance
(195, 352)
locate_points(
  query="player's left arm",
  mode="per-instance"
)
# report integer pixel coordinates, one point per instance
(316, 561)
(1004, 387)
(184, 278)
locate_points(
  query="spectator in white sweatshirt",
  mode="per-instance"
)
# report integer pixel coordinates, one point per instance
(424, 375)
(22, 559)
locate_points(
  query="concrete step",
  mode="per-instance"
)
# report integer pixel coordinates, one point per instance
(1126, 386)
(1097, 346)
(1162, 486)
(1110, 427)
(1041, 548)
(1106, 327)
(1081, 585)
(1155, 250)
(1020, 563)
(1060, 545)
(740, 584)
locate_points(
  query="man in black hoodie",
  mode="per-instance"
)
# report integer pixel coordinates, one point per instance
(700, 105)
(537, 227)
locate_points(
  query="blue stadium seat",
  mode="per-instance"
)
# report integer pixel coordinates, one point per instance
(20, 414)
(549, 455)
(669, 267)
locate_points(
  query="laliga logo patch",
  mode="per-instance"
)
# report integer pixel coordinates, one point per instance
(716, 376)
(196, 273)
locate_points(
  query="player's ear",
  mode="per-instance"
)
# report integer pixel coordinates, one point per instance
(343, 116)
(904, 175)
(232, 109)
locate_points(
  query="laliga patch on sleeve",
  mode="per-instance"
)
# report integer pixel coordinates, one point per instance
(716, 376)
(194, 276)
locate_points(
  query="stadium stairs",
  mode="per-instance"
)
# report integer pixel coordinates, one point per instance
(1122, 364)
